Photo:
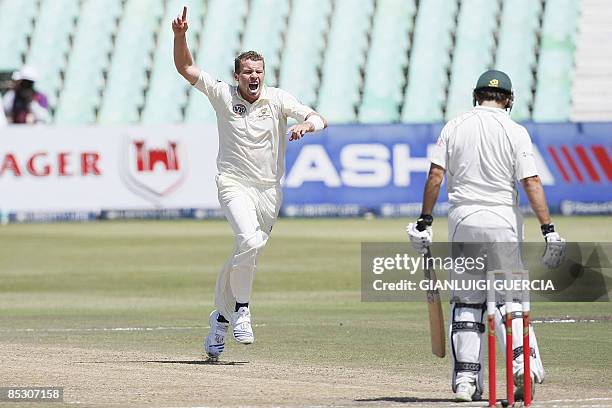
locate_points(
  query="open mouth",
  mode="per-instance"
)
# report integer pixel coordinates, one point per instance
(253, 86)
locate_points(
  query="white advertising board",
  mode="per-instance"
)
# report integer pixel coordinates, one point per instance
(104, 168)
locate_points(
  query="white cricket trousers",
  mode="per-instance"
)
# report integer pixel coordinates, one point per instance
(501, 228)
(251, 209)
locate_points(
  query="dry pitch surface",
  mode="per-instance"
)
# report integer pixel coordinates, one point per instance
(116, 312)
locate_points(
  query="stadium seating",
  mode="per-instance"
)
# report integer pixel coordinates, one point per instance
(556, 63)
(218, 46)
(127, 77)
(303, 50)
(592, 86)
(84, 76)
(166, 96)
(343, 60)
(473, 52)
(50, 44)
(16, 23)
(386, 61)
(264, 33)
(516, 51)
(375, 61)
(429, 62)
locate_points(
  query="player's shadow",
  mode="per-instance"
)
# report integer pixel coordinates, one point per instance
(404, 399)
(198, 362)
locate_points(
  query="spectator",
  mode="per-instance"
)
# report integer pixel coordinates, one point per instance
(24, 104)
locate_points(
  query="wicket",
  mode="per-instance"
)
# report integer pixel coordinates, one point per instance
(491, 306)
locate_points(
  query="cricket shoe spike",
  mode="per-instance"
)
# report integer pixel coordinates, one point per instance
(465, 392)
(241, 322)
(215, 341)
(519, 383)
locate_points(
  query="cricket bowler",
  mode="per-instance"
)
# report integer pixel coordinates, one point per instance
(483, 154)
(252, 127)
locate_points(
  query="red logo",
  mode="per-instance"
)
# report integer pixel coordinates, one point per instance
(46, 164)
(580, 162)
(147, 159)
(153, 168)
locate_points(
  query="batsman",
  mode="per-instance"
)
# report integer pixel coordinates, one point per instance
(485, 155)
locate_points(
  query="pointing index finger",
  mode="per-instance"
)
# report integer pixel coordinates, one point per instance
(184, 17)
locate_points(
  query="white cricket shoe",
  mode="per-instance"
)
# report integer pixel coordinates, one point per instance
(215, 341)
(465, 391)
(241, 322)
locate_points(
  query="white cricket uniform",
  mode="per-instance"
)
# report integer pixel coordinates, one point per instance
(484, 153)
(251, 164)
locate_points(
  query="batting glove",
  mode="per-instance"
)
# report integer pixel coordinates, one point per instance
(421, 233)
(554, 255)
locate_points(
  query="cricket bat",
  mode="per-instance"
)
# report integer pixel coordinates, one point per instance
(436, 318)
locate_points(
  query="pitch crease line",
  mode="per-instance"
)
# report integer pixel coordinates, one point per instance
(110, 329)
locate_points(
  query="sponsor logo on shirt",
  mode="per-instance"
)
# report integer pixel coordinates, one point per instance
(263, 113)
(239, 109)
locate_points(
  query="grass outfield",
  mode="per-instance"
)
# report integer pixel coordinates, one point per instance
(98, 308)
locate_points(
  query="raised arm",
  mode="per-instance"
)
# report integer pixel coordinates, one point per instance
(182, 57)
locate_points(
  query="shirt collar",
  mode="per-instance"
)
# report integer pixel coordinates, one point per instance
(491, 109)
(264, 93)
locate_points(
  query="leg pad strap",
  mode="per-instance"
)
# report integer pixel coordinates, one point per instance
(519, 352)
(463, 366)
(478, 306)
(468, 326)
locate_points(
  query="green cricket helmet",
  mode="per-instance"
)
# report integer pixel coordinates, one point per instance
(495, 80)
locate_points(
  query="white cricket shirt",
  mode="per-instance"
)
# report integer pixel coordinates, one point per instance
(484, 153)
(252, 137)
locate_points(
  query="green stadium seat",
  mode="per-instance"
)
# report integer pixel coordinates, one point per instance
(519, 25)
(302, 53)
(199, 110)
(422, 106)
(263, 33)
(473, 52)
(427, 73)
(75, 115)
(556, 63)
(516, 51)
(343, 61)
(127, 77)
(166, 96)
(16, 20)
(50, 44)
(387, 59)
(84, 79)
(219, 43)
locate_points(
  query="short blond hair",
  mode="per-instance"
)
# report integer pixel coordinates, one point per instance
(247, 55)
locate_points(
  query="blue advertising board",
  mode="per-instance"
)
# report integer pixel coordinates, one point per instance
(356, 169)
